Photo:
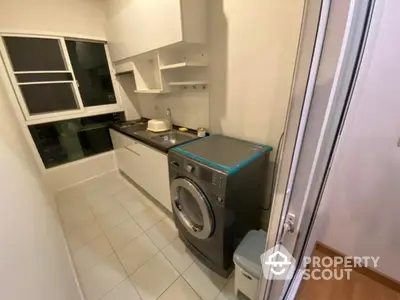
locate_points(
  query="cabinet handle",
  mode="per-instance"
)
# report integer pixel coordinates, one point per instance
(129, 149)
(247, 276)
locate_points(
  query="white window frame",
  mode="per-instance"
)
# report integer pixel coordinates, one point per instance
(81, 110)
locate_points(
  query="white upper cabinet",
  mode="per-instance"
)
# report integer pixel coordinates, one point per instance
(138, 26)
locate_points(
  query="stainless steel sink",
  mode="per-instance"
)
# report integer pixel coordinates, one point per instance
(172, 138)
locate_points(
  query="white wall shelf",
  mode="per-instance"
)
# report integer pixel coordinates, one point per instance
(148, 77)
(156, 72)
(155, 91)
(182, 83)
(183, 65)
(124, 68)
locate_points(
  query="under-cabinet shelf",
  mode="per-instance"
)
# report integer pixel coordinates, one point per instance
(155, 91)
(183, 65)
(179, 83)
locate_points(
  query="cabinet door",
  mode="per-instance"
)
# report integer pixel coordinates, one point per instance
(127, 161)
(142, 26)
(144, 165)
(154, 174)
(118, 139)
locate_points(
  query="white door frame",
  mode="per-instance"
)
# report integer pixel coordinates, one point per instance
(316, 136)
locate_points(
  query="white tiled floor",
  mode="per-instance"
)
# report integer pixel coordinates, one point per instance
(125, 248)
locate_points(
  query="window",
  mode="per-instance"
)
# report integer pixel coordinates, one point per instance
(55, 77)
(44, 81)
(90, 65)
(65, 91)
(45, 98)
(44, 54)
(70, 140)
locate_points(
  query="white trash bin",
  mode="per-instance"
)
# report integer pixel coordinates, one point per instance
(248, 264)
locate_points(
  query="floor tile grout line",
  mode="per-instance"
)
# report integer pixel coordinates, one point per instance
(170, 260)
(144, 232)
(159, 250)
(220, 290)
(151, 204)
(174, 269)
(103, 233)
(126, 273)
(111, 210)
(169, 286)
(85, 243)
(180, 274)
(119, 260)
(133, 215)
(123, 246)
(114, 253)
(114, 249)
(190, 284)
(230, 277)
(152, 225)
(90, 240)
(129, 275)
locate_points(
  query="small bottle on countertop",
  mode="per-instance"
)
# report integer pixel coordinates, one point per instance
(201, 132)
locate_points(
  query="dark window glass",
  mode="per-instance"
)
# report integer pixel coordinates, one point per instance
(48, 97)
(38, 77)
(66, 141)
(89, 62)
(34, 54)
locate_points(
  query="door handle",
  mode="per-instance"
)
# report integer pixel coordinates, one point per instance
(129, 149)
(288, 226)
(178, 206)
(175, 163)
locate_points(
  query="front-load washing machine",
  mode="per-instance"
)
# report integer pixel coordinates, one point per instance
(217, 186)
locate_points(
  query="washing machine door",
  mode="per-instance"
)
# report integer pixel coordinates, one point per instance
(192, 208)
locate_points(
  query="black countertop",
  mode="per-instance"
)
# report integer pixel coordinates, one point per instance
(136, 129)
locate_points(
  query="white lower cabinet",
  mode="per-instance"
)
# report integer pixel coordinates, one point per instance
(144, 165)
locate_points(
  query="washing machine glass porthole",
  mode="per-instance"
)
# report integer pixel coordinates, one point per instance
(192, 208)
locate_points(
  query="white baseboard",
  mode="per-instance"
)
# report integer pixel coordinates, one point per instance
(74, 272)
(68, 175)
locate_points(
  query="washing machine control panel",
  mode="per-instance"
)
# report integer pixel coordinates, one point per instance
(212, 177)
(217, 180)
(189, 168)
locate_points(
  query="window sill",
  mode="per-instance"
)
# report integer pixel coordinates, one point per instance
(87, 112)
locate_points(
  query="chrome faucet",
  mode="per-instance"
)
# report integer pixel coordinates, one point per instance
(169, 115)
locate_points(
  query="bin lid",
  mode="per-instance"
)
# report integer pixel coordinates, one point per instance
(247, 255)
